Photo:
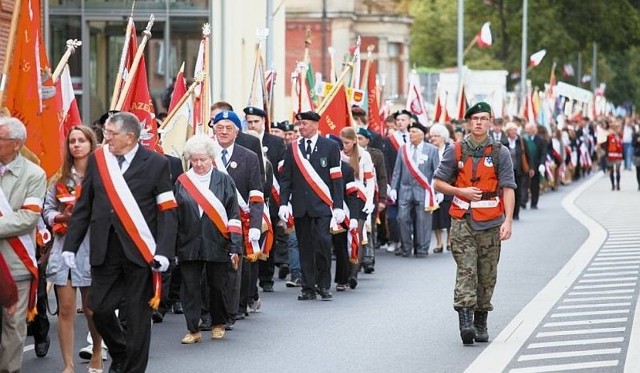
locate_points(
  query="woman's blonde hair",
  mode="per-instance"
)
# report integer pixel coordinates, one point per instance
(349, 133)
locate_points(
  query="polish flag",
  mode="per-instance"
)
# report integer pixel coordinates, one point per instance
(484, 38)
(537, 57)
(415, 102)
(567, 70)
(70, 113)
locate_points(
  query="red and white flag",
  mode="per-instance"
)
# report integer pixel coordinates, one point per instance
(461, 106)
(537, 57)
(484, 38)
(415, 102)
(70, 113)
(337, 113)
(567, 70)
(300, 92)
(178, 126)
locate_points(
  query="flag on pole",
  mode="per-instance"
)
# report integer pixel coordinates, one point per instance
(179, 89)
(336, 114)
(126, 59)
(202, 96)
(373, 109)
(484, 38)
(355, 73)
(70, 113)
(461, 106)
(300, 94)
(567, 70)
(537, 57)
(177, 127)
(30, 92)
(258, 92)
(415, 102)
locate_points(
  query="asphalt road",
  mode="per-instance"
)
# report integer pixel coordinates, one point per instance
(398, 319)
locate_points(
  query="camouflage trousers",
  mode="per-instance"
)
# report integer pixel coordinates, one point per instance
(476, 254)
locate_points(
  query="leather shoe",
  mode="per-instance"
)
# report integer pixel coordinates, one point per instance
(157, 317)
(341, 287)
(353, 282)
(437, 249)
(325, 295)
(191, 338)
(307, 296)
(283, 271)
(267, 288)
(177, 308)
(116, 367)
(229, 325)
(205, 324)
(42, 348)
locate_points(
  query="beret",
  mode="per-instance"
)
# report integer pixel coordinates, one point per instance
(357, 110)
(364, 132)
(282, 126)
(105, 116)
(252, 110)
(228, 115)
(403, 111)
(336, 139)
(290, 127)
(308, 115)
(418, 126)
(480, 107)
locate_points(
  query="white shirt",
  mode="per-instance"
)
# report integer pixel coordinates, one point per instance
(203, 181)
(399, 135)
(413, 149)
(128, 157)
(229, 152)
(303, 141)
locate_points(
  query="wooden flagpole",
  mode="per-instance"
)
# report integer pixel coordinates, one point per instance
(200, 76)
(468, 48)
(323, 106)
(72, 45)
(135, 63)
(367, 67)
(118, 83)
(205, 91)
(9, 54)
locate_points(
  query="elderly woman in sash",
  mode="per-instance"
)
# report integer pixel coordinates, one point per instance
(209, 234)
(64, 189)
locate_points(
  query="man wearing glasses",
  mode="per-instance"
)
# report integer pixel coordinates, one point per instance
(478, 172)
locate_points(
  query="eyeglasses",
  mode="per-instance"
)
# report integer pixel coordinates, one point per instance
(480, 119)
(7, 139)
(110, 133)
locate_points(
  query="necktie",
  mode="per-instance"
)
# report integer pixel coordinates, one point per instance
(308, 150)
(3, 169)
(404, 138)
(120, 159)
(225, 160)
(415, 153)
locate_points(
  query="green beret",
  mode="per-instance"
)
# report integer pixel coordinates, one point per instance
(480, 107)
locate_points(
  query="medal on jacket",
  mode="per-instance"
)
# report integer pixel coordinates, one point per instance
(460, 165)
(233, 164)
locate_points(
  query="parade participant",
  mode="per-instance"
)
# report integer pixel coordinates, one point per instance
(209, 235)
(391, 146)
(520, 161)
(614, 153)
(22, 188)
(636, 153)
(439, 137)
(291, 133)
(537, 154)
(274, 148)
(411, 186)
(478, 172)
(380, 196)
(312, 180)
(58, 206)
(242, 165)
(278, 128)
(362, 121)
(364, 175)
(497, 131)
(127, 199)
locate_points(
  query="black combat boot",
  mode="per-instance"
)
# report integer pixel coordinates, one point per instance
(368, 260)
(480, 325)
(467, 333)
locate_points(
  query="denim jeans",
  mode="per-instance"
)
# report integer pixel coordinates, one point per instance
(294, 255)
(628, 155)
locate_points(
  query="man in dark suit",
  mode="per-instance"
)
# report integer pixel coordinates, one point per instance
(242, 165)
(537, 153)
(121, 265)
(362, 121)
(315, 202)
(520, 161)
(497, 131)
(274, 149)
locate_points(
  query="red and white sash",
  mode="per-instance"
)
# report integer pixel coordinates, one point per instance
(311, 176)
(394, 141)
(24, 247)
(210, 204)
(275, 191)
(430, 203)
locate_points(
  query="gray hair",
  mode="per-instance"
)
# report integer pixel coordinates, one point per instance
(200, 144)
(126, 122)
(440, 129)
(16, 128)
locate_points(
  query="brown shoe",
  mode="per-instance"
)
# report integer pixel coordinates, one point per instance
(191, 338)
(217, 332)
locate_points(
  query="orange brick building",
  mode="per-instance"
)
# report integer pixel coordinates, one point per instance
(6, 8)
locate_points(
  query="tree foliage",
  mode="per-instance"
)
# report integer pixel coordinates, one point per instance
(566, 29)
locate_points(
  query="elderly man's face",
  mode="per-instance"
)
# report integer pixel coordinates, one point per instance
(226, 132)
(8, 146)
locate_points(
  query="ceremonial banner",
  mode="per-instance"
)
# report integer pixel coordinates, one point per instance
(337, 113)
(415, 102)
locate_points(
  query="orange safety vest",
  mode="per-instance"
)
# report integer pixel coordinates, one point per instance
(485, 178)
(614, 148)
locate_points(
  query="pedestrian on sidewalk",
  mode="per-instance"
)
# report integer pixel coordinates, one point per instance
(478, 172)
(613, 148)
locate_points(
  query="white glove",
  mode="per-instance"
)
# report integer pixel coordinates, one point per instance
(254, 234)
(353, 224)
(368, 207)
(338, 215)
(439, 197)
(69, 259)
(541, 169)
(163, 263)
(392, 194)
(284, 213)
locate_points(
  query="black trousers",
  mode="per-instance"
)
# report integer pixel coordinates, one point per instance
(518, 193)
(191, 292)
(171, 280)
(116, 278)
(534, 187)
(314, 242)
(342, 258)
(279, 255)
(39, 327)
(249, 284)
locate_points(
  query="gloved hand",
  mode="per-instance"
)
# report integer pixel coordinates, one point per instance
(439, 197)
(541, 169)
(338, 215)
(163, 263)
(393, 195)
(69, 259)
(353, 224)
(254, 234)
(369, 207)
(284, 213)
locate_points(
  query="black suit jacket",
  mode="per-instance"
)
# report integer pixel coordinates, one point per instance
(252, 143)
(377, 157)
(175, 168)
(376, 140)
(244, 170)
(325, 156)
(520, 156)
(390, 155)
(539, 156)
(275, 149)
(147, 177)
(352, 201)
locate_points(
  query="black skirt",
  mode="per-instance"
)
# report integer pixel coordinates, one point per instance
(441, 218)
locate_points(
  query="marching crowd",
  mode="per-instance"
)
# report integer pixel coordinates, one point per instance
(139, 235)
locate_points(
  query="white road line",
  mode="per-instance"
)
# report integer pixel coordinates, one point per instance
(576, 342)
(615, 263)
(580, 332)
(561, 367)
(586, 322)
(617, 258)
(632, 364)
(599, 305)
(607, 274)
(556, 355)
(591, 299)
(576, 293)
(616, 279)
(621, 285)
(605, 254)
(606, 251)
(611, 268)
(501, 351)
(588, 313)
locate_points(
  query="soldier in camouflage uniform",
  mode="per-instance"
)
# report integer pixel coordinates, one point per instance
(478, 172)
